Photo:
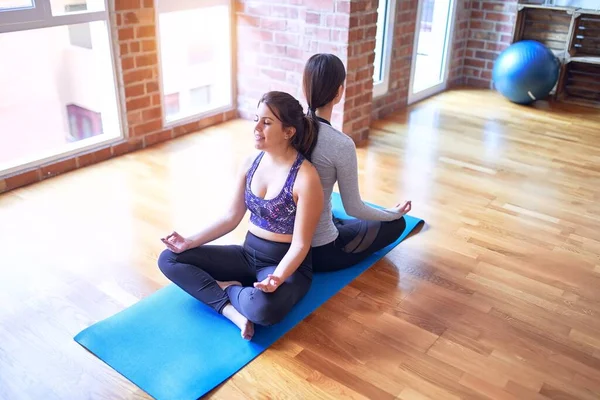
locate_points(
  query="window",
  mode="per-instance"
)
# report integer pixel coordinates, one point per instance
(195, 47)
(432, 46)
(15, 11)
(383, 46)
(80, 35)
(83, 123)
(171, 102)
(58, 86)
(15, 4)
(65, 7)
(200, 96)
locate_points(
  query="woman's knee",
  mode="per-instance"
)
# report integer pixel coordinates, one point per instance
(166, 260)
(394, 229)
(267, 309)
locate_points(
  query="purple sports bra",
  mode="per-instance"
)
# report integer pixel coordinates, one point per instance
(278, 214)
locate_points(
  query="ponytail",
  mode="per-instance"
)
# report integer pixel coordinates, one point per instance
(323, 76)
(311, 112)
(308, 140)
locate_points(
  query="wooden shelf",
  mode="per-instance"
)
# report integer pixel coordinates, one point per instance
(543, 7)
(573, 35)
(584, 11)
(585, 37)
(540, 4)
(580, 83)
(586, 60)
(549, 26)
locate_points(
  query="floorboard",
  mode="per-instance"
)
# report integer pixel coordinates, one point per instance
(497, 297)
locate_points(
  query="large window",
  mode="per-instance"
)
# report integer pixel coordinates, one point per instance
(195, 45)
(57, 80)
(432, 46)
(386, 13)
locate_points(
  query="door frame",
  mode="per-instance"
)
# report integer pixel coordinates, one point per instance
(413, 98)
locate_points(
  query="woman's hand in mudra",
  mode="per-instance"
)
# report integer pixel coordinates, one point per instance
(402, 208)
(177, 243)
(269, 284)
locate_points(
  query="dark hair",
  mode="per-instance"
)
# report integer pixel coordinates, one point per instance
(291, 114)
(323, 76)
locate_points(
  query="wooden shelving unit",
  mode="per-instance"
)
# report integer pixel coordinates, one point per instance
(579, 83)
(573, 34)
(585, 40)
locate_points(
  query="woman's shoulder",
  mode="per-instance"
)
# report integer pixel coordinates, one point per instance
(247, 160)
(308, 172)
(330, 137)
(252, 156)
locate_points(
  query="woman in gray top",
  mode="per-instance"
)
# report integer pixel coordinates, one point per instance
(338, 244)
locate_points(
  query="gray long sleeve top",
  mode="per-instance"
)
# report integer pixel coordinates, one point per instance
(334, 156)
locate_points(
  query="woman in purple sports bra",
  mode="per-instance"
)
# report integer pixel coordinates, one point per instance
(260, 281)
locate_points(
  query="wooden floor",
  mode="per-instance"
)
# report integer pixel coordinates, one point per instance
(497, 297)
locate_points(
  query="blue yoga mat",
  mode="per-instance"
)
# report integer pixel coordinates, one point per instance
(166, 343)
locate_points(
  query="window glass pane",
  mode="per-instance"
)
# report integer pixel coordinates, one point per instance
(432, 44)
(379, 40)
(58, 91)
(15, 4)
(195, 56)
(62, 7)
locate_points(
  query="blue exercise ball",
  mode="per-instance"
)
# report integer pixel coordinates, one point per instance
(525, 72)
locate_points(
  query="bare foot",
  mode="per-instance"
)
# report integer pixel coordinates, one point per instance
(246, 327)
(226, 284)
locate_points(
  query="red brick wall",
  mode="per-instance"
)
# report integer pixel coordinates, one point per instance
(274, 40)
(482, 29)
(358, 98)
(133, 22)
(402, 50)
(459, 43)
(490, 32)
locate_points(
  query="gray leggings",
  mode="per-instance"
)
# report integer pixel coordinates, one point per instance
(196, 270)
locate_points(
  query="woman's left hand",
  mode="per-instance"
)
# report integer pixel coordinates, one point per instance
(269, 284)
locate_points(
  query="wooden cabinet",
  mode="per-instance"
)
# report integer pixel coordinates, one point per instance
(573, 34)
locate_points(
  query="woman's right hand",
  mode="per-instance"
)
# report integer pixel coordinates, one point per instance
(402, 208)
(177, 243)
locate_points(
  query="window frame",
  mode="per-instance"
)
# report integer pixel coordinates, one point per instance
(381, 88)
(448, 50)
(39, 17)
(165, 6)
(19, 15)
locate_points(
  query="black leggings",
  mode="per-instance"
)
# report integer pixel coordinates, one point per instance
(196, 270)
(357, 240)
